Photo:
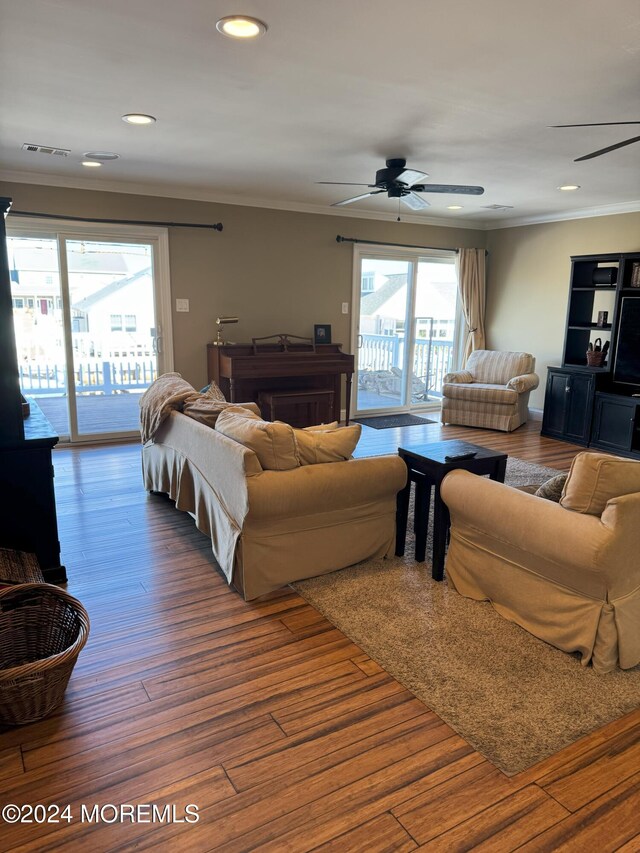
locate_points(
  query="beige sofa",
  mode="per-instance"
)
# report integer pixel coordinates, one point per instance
(271, 527)
(567, 572)
(491, 392)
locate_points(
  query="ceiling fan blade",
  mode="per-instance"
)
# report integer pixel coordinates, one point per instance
(344, 184)
(356, 198)
(454, 189)
(596, 124)
(607, 149)
(411, 176)
(414, 201)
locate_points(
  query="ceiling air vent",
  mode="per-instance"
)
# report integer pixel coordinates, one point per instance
(498, 206)
(46, 149)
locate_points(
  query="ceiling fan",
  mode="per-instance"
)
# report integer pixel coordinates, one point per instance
(609, 147)
(399, 182)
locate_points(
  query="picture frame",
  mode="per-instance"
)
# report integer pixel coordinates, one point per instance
(322, 333)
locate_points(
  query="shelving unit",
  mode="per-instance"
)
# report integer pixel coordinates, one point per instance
(584, 404)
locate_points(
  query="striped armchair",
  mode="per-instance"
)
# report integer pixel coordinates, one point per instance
(491, 392)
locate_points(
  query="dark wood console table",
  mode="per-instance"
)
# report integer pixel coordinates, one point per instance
(279, 377)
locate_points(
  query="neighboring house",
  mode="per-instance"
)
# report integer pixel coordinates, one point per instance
(118, 319)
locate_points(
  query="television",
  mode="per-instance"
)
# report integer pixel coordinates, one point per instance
(627, 365)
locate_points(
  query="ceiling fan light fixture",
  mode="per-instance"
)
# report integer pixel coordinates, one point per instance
(138, 118)
(569, 187)
(241, 27)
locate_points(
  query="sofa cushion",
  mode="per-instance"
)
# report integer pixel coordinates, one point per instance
(335, 444)
(206, 409)
(595, 478)
(480, 392)
(273, 442)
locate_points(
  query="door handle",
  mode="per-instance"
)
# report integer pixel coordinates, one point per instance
(159, 344)
(359, 342)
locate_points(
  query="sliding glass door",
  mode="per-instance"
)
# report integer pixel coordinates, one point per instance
(405, 328)
(91, 335)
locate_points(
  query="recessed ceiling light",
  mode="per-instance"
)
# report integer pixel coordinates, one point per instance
(138, 118)
(101, 155)
(454, 207)
(91, 164)
(241, 27)
(569, 187)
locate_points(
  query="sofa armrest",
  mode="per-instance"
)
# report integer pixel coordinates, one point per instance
(463, 376)
(526, 382)
(521, 522)
(324, 487)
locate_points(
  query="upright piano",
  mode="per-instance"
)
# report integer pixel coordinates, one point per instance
(297, 383)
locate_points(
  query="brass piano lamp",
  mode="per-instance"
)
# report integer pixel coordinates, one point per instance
(223, 321)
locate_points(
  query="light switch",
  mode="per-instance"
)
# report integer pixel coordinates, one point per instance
(345, 307)
(182, 305)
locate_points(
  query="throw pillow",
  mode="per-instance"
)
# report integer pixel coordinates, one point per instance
(336, 444)
(273, 442)
(206, 410)
(215, 393)
(595, 478)
(551, 490)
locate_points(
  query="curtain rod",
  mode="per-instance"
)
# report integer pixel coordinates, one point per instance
(340, 239)
(215, 227)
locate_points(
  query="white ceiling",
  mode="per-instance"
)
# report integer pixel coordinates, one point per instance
(464, 89)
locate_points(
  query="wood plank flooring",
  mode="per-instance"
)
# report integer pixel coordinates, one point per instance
(282, 731)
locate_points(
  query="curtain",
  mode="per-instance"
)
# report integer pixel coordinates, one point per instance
(472, 288)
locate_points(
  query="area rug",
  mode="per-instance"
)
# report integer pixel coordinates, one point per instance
(390, 421)
(514, 698)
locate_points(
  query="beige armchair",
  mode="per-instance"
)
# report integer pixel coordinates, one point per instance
(567, 572)
(491, 392)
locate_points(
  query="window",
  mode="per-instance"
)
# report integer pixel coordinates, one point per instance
(18, 302)
(48, 279)
(30, 302)
(116, 322)
(130, 323)
(367, 284)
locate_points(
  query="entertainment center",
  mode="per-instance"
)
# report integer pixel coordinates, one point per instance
(591, 403)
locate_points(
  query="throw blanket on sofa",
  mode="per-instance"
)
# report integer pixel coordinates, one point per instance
(169, 392)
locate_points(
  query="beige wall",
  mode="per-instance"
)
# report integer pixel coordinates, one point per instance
(528, 281)
(278, 271)
(282, 272)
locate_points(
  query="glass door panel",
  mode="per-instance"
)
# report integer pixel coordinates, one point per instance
(113, 332)
(39, 325)
(382, 321)
(434, 327)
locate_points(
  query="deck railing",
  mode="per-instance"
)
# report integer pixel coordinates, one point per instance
(93, 377)
(433, 357)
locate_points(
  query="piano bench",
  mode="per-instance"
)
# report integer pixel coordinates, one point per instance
(297, 408)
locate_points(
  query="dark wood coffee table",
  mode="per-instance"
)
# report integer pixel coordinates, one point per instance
(427, 467)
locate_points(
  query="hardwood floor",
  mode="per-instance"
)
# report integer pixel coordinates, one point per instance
(282, 731)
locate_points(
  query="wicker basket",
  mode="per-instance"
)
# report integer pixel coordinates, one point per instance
(19, 567)
(42, 631)
(595, 358)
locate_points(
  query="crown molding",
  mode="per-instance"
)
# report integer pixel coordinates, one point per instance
(191, 194)
(581, 213)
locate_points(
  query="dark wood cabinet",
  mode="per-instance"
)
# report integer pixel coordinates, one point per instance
(28, 521)
(616, 423)
(568, 405)
(584, 403)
